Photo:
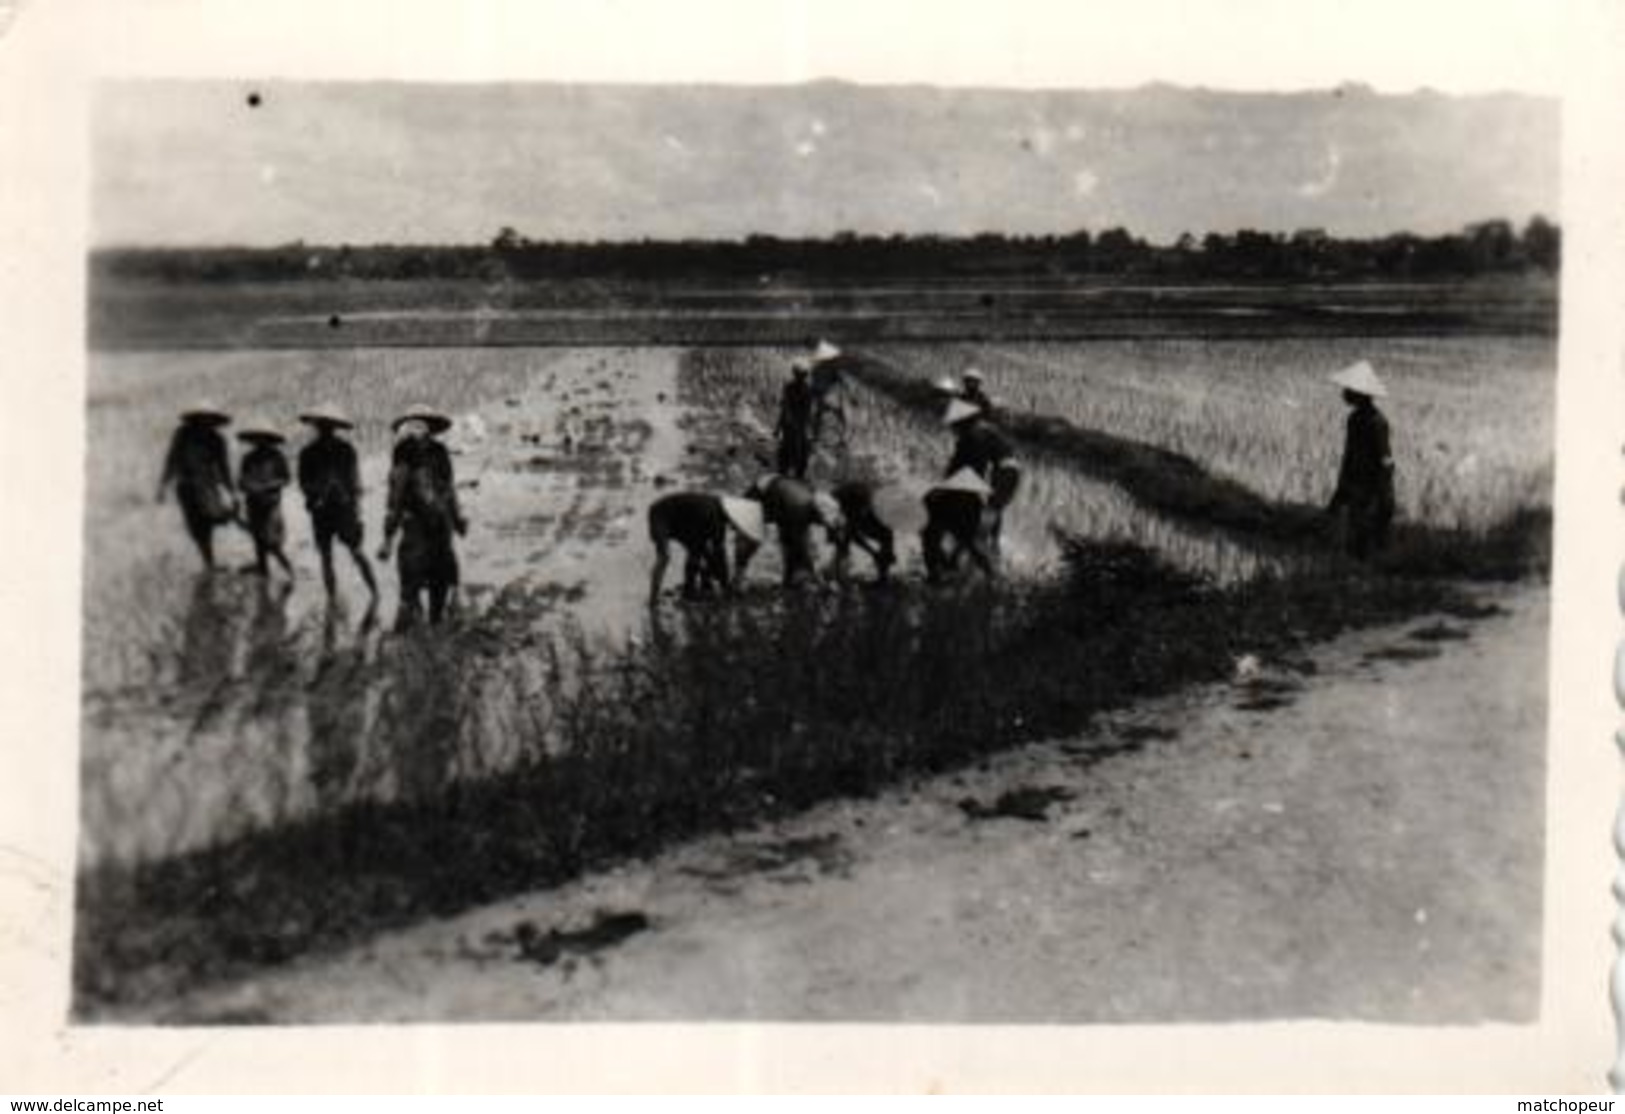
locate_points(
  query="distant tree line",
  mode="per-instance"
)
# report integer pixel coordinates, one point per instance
(1491, 247)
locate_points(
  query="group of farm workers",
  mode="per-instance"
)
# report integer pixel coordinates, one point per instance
(422, 510)
(964, 510)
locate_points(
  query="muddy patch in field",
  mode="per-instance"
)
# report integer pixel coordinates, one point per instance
(1145, 733)
(1469, 610)
(1439, 632)
(1401, 653)
(1028, 802)
(1267, 694)
(791, 861)
(1084, 755)
(531, 944)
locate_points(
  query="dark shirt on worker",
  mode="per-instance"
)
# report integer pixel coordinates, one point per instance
(263, 474)
(197, 457)
(329, 474)
(1367, 473)
(796, 405)
(979, 399)
(978, 446)
(689, 517)
(422, 485)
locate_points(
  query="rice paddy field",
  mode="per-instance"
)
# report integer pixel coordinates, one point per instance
(1472, 417)
(219, 709)
(904, 453)
(1472, 420)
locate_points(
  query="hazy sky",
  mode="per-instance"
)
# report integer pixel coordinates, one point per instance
(192, 163)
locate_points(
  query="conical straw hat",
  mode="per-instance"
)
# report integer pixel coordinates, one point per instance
(428, 415)
(327, 414)
(1362, 379)
(825, 351)
(972, 375)
(205, 411)
(257, 429)
(966, 480)
(746, 517)
(959, 410)
(944, 384)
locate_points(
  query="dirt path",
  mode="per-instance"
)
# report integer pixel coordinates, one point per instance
(1353, 835)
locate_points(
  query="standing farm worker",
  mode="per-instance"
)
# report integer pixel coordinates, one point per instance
(330, 478)
(198, 465)
(829, 395)
(855, 522)
(794, 509)
(423, 510)
(980, 448)
(699, 522)
(973, 393)
(955, 512)
(261, 476)
(1365, 482)
(794, 429)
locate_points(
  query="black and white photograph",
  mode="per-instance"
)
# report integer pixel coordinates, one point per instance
(831, 550)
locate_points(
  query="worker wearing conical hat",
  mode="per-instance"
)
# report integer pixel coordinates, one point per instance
(794, 509)
(980, 448)
(828, 392)
(199, 467)
(794, 428)
(956, 512)
(261, 476)
(1364, 497)
(330, 478)
(856, 522)
(424, 510)
(974, 393)
(699, 522)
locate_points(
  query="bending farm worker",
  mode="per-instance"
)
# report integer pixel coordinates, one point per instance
(330, 478)
(199, 467)
(981, 449)
(790, 506)
(1364, 496)
(699, 522)
(955, 513)
(857, 523)
(423, 509)
(261, 476)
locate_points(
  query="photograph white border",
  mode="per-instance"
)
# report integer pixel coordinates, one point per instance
(52, 50)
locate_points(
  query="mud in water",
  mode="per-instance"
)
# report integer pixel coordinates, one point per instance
(1439, 632)
(1027, 802)
(1401, 653)
(606, 931)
